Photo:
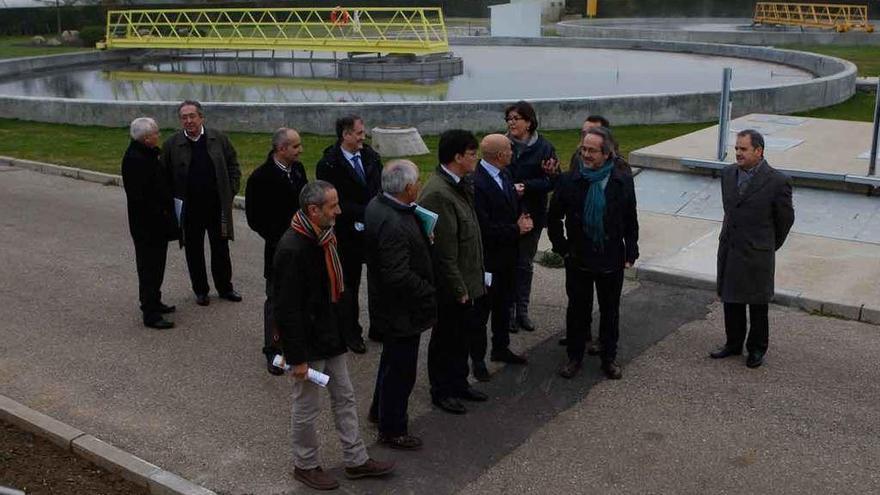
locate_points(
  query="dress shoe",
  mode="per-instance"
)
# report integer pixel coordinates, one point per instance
(159, 324)
(612, 370)
(524, 322)
(369, 469)
(358, 346)
(203, 299)
(755, 359)
(507, 356)
(315, 478)
(570, 369)
(231, 295)
(375, 337)
(402, 442)
(480, 372)
(473, 395)
(594, 348)
(450, 405)
(563, 342)
(724, 351)
(165, 309)
(513, 329)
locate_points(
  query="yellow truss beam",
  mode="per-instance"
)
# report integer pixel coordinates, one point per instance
(839, 17)
(417, 31)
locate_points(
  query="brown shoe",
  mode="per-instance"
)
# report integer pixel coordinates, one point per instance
(371, 468)
(570, 369)
(315, 478)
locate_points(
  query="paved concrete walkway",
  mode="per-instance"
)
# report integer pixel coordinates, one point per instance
(197, 401)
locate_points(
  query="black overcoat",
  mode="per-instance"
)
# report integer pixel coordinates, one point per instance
(756, 224)
(147, 183)
(399, 269)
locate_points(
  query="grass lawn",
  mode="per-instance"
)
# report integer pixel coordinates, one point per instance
(17, 46)
(101, 148)
(866, 58)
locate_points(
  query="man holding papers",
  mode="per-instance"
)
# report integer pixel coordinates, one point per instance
(402, 296)
(308, 298)
(458, 266)
(501, 226)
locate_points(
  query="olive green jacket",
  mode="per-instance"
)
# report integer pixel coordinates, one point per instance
(458, 248)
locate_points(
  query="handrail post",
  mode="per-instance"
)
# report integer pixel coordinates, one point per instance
(872, 159)
(724, 114)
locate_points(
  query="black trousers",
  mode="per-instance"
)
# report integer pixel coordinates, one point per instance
(271, 338)
(735, 326)
(496, 303)
(352, 267)
(394, 383)
(579, 314)
(198, 221)
(150, 260)
(448, 349)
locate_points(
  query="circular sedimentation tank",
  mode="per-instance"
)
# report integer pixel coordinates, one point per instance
(631, 81)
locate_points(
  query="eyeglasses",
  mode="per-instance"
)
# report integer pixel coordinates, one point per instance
(591, 150)
(513, 118)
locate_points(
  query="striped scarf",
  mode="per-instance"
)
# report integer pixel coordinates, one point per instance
(327, 241)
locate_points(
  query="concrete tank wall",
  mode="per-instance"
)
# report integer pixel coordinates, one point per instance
(835, 83)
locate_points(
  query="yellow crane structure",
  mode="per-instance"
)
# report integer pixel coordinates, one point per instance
(839, 17)
(391, 30)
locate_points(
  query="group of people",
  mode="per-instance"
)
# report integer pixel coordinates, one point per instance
(454, 255)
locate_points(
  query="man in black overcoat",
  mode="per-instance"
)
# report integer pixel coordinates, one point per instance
(150, 217)
(354, 169)
(403, 301)
(271, 199)
(758, 215)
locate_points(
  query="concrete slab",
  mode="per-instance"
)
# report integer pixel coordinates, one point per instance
(848, 139)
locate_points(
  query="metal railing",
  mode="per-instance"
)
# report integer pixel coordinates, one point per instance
(839, 17)
(416, 31)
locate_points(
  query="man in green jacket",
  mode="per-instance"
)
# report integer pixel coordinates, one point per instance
(458, 269)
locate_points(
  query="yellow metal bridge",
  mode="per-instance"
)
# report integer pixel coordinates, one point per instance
(418, 31)
(839, 17)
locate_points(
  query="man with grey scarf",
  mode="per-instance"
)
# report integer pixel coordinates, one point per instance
(593, 224)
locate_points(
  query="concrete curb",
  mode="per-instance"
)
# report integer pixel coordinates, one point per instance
(113, 459)
(643, 271)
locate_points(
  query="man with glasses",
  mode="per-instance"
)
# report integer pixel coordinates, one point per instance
(206, 178)
(593, 225)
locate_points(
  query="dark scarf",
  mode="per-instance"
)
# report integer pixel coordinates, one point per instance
(594, 203)
(327, 241)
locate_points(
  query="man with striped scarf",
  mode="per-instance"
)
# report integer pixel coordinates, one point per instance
(308, 292)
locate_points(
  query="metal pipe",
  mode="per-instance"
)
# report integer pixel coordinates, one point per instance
(872, 159)
(724, 107)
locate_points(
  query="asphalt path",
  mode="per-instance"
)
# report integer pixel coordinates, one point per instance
(197, 400)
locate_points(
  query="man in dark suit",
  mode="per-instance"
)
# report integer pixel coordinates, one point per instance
(354, 169)
(206, 176)
(599, 238)
(501, 227)
(271, 199)
(403, 301)
(150, 217)
(758, 215)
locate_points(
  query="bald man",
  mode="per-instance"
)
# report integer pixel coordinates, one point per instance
(501, 225)
(271, 199)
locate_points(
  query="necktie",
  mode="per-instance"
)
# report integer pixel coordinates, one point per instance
(506, 184)
(356, 159)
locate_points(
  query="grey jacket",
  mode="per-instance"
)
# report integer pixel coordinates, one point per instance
(756, 224)
(176, 156)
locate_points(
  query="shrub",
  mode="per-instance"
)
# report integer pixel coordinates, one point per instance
(91, 35)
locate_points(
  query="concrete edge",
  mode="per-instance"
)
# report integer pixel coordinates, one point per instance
(80, 174)
(98, 452)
